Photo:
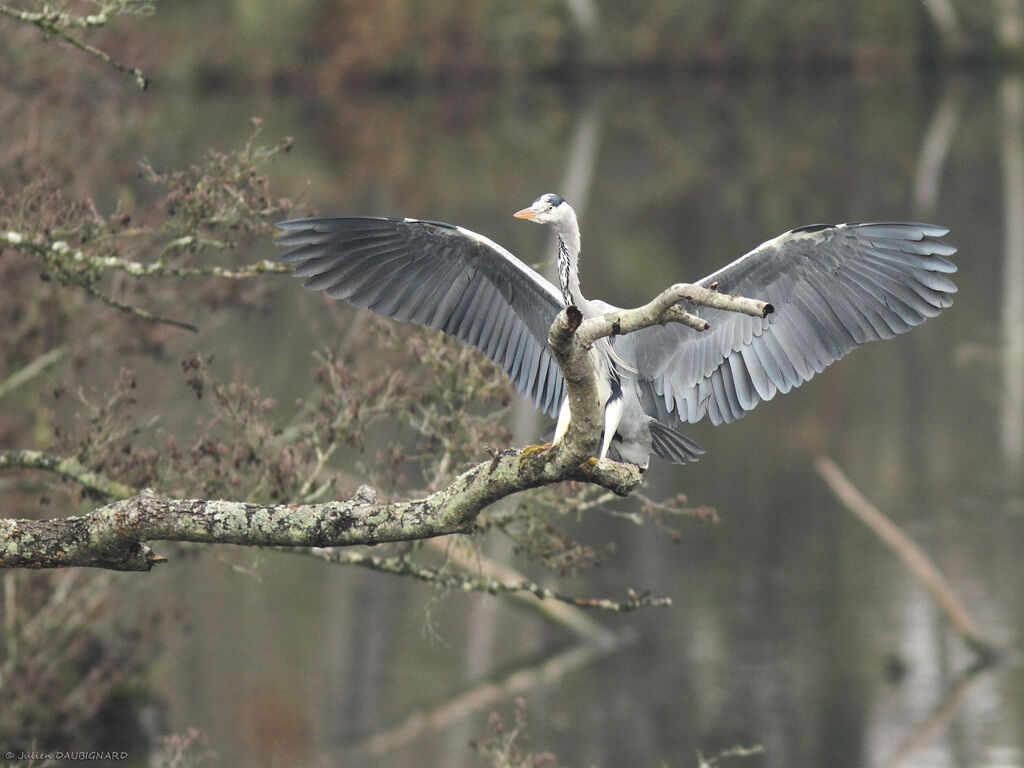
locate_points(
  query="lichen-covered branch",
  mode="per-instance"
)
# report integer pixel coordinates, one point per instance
(78, 267)
(469, 583)
(59, 258)
(52, 21)
(38, 245)
(68, 467)
(115, 536)
(216, 205)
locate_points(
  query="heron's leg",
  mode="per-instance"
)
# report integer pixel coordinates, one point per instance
(562, 425)
(612, 415)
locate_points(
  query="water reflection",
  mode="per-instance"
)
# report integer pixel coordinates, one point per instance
(792, 628)
(1012, 437)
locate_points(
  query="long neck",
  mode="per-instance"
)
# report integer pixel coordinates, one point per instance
(568, 232)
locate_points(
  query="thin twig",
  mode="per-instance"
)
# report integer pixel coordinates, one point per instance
(403, 567)
(561, 613)
(139, 312)
(31, 370)
(68, 467)
(58, 256)
(52, 22)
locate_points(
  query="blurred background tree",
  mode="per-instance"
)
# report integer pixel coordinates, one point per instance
(390, 93)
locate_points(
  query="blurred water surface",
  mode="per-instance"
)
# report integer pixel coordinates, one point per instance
(791, 627)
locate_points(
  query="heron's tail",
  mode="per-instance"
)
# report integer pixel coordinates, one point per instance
(672, 446)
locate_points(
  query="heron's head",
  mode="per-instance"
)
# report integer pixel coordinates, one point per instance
(547, 209)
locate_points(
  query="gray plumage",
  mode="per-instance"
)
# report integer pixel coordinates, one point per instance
(833, 287)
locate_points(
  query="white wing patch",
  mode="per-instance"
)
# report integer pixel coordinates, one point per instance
(776, 242)
(791, 236)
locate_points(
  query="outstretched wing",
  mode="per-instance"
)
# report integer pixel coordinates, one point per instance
(832, 287)
(441, 276)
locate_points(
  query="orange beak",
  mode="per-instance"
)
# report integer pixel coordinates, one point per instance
(526, 213)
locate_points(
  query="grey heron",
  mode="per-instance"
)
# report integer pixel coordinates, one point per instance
(833, 287)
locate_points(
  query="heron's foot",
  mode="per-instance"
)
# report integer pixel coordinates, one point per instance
(531, 450)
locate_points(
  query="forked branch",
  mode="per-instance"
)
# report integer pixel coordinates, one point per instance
(116, 535)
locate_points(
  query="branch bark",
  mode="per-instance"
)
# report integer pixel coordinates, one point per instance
(114, 536)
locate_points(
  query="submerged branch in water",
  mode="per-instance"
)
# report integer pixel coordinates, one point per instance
(913, 557)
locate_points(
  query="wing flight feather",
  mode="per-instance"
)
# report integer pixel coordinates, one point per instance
(832, 287)
(441, 276)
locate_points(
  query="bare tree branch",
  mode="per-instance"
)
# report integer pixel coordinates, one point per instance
(30, 371)
(51, 21)
(913, 557)
(468, 583)
(114, 536)
(560, 612)
(70, 468)
(59, 257)
(665, 308)
(38, 245)
(217, 204)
